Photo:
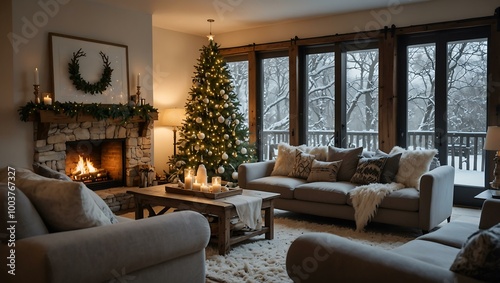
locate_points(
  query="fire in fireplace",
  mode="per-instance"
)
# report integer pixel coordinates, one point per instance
(100, 164)
(87, 173)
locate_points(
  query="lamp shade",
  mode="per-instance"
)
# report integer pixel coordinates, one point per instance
(492, 141)
(173, 117)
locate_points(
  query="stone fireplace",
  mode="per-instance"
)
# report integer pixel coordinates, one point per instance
(63, 139)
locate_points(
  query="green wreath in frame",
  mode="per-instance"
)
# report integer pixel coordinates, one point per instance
(83, 85)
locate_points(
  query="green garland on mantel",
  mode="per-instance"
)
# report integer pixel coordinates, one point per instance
(96, 110)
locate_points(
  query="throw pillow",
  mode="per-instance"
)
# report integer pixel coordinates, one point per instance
(368, 170)
(391, 166)
(284, 161)
(480, 256)
(302, 165)
(62, 205)
(412, 165)
(349, 157)
(322, 171)
(46, 171)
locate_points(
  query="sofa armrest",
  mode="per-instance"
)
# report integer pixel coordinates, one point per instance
(322, 257)
(102, 253)
(251, 171)
(490, 213)
(436, 196)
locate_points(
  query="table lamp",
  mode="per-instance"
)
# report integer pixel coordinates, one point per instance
(173, 117)
(492, 142)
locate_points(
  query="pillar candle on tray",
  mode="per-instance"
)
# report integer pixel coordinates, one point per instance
(196, 185)
(188, 179)
(201, 175)
(205, 188)
(216, 184)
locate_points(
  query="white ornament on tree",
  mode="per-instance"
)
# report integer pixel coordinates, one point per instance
(210, 153)
(199, 120)
(221, 119)
(233, 116)
(206, 101)
(226, 97)
(238, 142)
(201, 135)
(222, 92)
(221, 170)
(225, 156)
(226, 105)
(235, 175)
(243, 151)
(197, 147)
(226, 136)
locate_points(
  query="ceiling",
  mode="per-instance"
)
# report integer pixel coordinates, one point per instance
(190, 16)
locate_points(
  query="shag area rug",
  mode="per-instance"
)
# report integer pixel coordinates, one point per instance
(261, 260)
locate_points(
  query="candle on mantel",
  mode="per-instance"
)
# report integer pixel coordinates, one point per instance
(37, 78)
(47, 100)
(196, 185)
(139, 79)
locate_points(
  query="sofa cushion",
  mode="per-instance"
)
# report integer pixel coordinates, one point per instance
(412, 165)
(406, 199)
(368, 170)
(302, 165)
(453, 234)
(45, 171)
(480, 256)
(62, 205)
(322, 171)
(429, 252)
(324, 192)
(391, 166)
(276, 184)
(28, 221)
(349, 157)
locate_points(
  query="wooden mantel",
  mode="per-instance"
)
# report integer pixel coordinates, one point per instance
(44, 118)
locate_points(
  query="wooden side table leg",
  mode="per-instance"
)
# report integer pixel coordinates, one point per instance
(269, 219)
(139, 210)
(224, 234)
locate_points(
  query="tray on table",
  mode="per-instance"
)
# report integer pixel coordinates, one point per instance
(173, 188)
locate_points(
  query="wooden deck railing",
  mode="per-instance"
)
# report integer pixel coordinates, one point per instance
(465, 149)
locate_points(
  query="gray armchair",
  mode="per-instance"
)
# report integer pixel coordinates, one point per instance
(167, 248)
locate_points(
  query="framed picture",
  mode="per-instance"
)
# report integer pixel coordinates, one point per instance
(88, 71)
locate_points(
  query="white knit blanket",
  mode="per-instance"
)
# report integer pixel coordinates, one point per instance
(367, 198)
(248, 209)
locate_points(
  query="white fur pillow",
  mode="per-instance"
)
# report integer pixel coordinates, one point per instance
(284, 161)
(412, 165)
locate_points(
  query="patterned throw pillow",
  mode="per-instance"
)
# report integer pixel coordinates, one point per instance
(322, 171)
(368, 170)
(302, 165)
(480, 256)
(390, 168)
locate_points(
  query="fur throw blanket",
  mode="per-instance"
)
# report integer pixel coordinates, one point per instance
(367, 198)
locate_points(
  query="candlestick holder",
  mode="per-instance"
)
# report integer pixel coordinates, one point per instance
(138, 95)
(36, 92)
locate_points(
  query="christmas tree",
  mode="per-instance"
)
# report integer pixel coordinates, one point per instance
(212, 133)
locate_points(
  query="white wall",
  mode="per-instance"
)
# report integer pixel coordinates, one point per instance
(31, 22)
(421, 13)
(175, 55)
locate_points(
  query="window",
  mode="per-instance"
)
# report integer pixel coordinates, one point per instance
(238, 69)
(275, 108)
(362, 98)
(445, 85)
(320, 93)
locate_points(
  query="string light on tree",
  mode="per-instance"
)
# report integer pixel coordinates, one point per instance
(212, 133)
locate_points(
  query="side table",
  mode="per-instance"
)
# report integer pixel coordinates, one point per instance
(488, 194)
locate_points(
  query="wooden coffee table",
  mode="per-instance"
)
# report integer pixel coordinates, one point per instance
(146, 198)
